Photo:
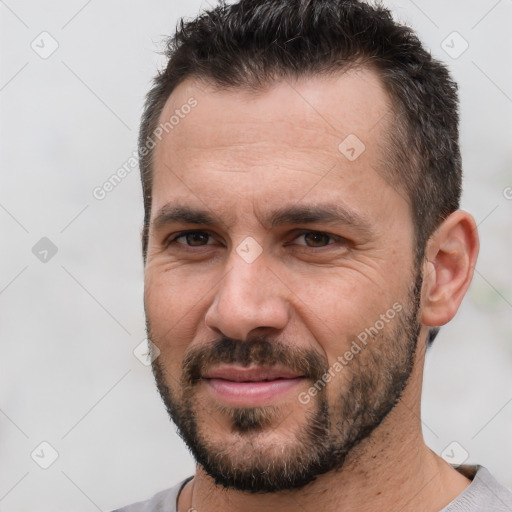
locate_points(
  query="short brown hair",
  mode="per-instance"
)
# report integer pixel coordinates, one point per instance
(254, 42)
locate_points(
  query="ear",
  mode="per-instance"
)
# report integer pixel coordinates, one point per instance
(451, 255)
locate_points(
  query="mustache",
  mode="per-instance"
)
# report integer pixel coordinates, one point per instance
(260, 351)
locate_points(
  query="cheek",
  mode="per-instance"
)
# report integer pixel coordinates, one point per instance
(173, 307)
(336, 309)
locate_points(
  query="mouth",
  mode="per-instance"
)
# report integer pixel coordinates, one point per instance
(250, 386)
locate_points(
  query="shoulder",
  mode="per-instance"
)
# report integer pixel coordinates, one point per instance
(164, 501)
(484, 494)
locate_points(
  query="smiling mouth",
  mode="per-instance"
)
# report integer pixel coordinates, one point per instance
(246, 386)
(249, 374)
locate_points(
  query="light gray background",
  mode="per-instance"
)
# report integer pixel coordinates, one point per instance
(68, 375)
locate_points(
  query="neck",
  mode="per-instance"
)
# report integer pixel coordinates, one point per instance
(392, 469)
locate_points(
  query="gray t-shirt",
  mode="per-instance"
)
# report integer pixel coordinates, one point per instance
(484, 494)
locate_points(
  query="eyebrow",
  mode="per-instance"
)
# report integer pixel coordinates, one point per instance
(294, 215)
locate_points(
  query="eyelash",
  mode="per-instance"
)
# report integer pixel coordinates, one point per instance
(181, 234)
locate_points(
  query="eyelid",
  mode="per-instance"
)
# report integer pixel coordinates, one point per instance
(335, 238)
(173, 236)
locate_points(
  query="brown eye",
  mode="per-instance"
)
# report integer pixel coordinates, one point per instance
(192, 238)
(197, 238)
(316, 239)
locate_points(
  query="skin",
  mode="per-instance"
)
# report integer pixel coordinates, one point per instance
(241, 155)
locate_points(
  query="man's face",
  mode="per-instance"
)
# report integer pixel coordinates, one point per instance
(286, 335)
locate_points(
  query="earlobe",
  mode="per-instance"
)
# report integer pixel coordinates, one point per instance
(451, 256)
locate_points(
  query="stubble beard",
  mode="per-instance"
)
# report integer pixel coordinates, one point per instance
(328, 431)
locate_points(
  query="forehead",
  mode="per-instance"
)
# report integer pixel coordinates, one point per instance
(223, 145)
(311, 109)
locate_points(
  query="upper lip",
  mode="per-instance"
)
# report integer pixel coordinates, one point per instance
(249, 374)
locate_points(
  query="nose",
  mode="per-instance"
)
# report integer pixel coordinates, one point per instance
(250, 296)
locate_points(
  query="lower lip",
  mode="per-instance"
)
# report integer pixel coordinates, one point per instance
(251, 393)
